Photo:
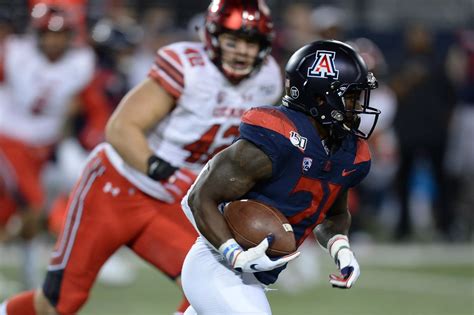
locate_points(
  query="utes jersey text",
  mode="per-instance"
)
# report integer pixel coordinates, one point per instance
(208, 108)
(306, 180)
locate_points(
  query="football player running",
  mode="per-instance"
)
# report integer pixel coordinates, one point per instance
(158, 139)
(301, 158)
(42, 73)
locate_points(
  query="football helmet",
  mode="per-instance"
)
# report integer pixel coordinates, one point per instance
(50, 18)
(329, 81)
(247, 18)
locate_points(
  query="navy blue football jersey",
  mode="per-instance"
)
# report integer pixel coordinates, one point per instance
(305, 179)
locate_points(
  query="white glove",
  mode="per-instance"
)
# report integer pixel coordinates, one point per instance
(254, 259)
(345, 260)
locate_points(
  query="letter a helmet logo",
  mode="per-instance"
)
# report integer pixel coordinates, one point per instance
(323, 66)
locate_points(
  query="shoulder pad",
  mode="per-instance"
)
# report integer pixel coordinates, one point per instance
(269, 118)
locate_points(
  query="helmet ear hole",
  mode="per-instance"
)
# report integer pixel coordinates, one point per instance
(320, 101)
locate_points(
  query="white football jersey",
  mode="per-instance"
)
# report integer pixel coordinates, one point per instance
(208, 109)
(40, 91)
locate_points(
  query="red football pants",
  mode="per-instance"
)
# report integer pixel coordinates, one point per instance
(20, 176)
(105, 211)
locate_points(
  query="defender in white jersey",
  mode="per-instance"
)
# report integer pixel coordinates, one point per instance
(41, 75)
(159, 138)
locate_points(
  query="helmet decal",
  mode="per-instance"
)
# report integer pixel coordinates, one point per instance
(323, 66)
(294, 92)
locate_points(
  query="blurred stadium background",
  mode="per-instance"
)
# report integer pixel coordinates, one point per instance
(415, 259)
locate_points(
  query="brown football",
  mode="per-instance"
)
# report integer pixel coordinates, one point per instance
(251, 221)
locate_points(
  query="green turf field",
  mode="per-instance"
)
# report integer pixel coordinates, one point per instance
(412, 280)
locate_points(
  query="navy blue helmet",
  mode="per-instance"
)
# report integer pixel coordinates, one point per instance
(329, 81)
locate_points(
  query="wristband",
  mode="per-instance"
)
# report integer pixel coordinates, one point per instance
(159, 169)
(336, 243)
(230, 249)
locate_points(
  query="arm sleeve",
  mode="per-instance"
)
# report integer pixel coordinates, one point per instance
(278, 79)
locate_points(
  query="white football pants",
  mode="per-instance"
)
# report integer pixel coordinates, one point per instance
(213, 288)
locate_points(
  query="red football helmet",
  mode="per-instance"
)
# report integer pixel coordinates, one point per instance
(50, 18)
(249, 18)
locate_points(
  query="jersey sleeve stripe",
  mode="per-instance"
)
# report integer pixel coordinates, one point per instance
(170, 70)
(363, 152)
(171, 57)
(270, 119)
(166, 82)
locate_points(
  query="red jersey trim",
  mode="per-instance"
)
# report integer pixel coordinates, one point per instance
(166, 82)
(363, 152)
(170, 70)
(270, 119)
(174, 58)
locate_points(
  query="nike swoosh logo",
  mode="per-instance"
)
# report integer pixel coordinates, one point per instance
(254, 267)
(346, 173)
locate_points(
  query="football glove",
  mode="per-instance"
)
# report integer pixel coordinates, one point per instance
(253, 259)
(345, 260)
(159, 169)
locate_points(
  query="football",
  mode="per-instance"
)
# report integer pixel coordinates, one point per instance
(251, 221)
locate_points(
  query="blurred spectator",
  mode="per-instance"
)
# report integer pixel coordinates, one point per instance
(460, 161)
(295, 30)
(114, 44)
(159, 30)
(302, 24)
(6, 29)
(426, 101)
(6, 26)
(195, 27)
(375, 190)
(328, 22)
